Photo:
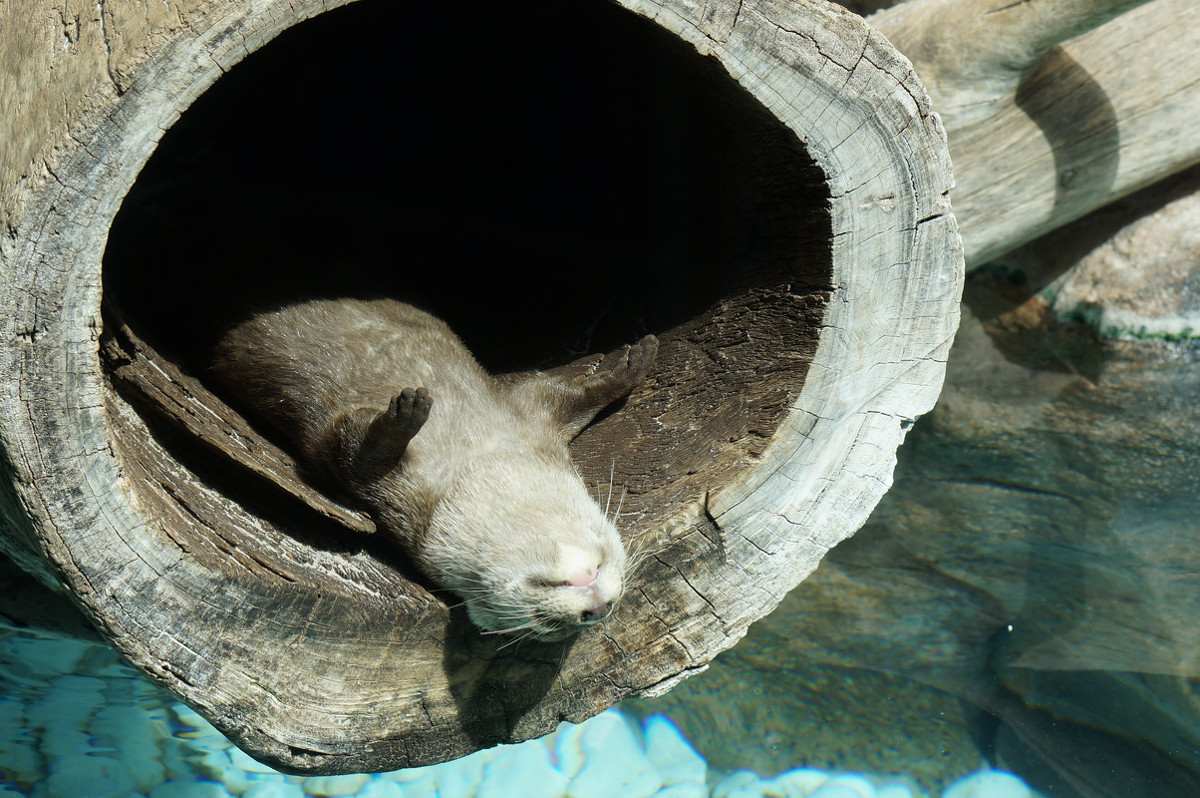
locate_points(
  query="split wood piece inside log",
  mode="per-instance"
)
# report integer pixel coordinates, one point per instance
(183, 400)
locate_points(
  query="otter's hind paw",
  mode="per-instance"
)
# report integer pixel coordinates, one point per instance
(629, 369)
(640, 357)
(578, 403)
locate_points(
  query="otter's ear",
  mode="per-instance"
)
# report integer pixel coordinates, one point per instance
(577, 392)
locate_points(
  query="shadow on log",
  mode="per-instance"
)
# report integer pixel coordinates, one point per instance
(771, 203)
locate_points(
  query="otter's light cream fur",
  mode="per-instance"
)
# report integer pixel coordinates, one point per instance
(469, 473)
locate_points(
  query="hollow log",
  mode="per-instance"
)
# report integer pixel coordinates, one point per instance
(798, 262)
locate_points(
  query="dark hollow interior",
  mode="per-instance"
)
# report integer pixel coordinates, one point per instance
(551, 179)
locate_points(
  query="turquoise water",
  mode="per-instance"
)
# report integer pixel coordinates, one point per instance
(76, 722)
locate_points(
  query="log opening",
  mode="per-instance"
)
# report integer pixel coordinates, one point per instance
(642, 191)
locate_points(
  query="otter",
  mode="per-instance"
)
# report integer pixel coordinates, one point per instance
(468, 472)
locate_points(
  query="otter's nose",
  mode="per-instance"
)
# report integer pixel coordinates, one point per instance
(596, 613)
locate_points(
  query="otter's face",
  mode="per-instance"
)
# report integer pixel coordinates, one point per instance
(550, 585)
(525, 546)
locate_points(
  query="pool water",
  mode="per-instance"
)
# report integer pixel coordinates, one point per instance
(76, 722)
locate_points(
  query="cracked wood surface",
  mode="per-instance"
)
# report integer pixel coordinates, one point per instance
(766, 434)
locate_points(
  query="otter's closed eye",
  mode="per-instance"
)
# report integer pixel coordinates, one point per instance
(548, 583)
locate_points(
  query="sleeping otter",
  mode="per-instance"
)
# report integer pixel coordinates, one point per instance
(470, 473)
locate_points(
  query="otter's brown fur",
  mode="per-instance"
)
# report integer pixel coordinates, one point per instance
(469, 473)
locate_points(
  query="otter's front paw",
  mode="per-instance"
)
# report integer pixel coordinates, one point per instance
(406, 413)
(388, 433)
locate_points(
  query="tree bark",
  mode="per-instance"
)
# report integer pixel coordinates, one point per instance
(766, 435)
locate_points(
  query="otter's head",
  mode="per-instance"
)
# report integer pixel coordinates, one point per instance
(544, 560)
(555, 590)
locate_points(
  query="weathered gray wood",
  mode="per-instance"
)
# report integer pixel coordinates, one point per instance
(1044, 128)
(974, 54)
(765, 436)
(161, 386)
